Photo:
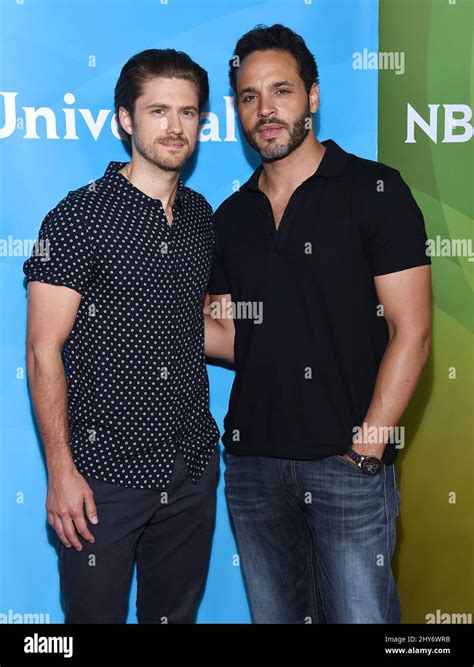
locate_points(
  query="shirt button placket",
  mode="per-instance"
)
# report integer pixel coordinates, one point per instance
(172, 377)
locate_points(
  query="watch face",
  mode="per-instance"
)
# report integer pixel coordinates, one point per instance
(370, 465)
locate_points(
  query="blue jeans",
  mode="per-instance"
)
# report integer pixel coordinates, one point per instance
(315, 539)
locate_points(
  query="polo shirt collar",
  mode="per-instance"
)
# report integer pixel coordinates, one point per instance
(332, 164)
(111, 174)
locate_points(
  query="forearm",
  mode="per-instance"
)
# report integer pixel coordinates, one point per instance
(399, 372)
(218, 340)
(48, 387)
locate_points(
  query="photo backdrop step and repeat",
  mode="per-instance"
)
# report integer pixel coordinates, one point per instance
(59, 65)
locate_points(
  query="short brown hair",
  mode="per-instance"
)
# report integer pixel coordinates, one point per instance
(148, 64)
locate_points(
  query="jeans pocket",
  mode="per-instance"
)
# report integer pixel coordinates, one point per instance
(354, 466)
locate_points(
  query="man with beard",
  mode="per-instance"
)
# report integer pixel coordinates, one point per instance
(116, 363)
(333, 247)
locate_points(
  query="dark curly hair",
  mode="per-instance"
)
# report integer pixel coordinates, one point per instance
(277, 36)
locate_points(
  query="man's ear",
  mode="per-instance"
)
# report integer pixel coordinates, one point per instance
(314, 98)
(125, 120)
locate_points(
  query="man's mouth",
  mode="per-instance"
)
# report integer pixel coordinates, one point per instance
(269, 131)
(173, 144)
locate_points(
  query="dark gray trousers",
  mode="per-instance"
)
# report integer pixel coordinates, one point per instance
(169, 538)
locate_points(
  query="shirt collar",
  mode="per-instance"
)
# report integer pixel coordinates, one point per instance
(112, 175)
(332, 164)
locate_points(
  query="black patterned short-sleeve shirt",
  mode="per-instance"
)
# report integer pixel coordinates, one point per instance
(134, 361)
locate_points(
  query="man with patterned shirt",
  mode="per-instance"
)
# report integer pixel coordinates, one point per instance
(115, 355)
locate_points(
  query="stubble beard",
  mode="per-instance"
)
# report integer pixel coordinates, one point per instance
(155, 153)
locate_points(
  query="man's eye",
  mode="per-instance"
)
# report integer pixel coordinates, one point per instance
(247, 98)
(157, 110)
(188, 113)
(282, 90)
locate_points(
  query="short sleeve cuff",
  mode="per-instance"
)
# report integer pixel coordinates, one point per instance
(400, 263)
(56, 280)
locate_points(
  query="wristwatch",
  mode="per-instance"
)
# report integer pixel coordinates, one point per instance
(371, 465)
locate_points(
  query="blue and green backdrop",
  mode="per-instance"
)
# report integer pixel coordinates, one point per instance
(61, 60)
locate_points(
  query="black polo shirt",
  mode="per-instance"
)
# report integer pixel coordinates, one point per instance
(134, 360)
(306, 370)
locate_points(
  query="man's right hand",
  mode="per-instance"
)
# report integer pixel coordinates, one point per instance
(68, 492)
